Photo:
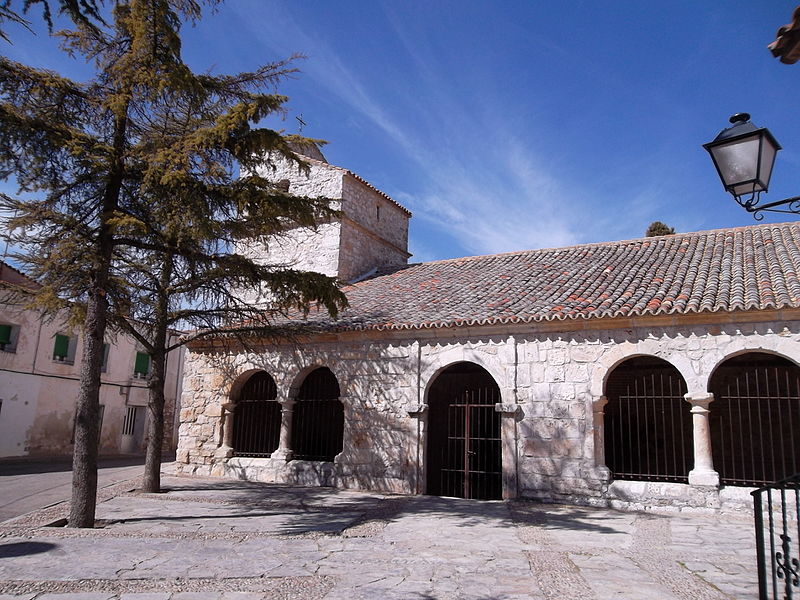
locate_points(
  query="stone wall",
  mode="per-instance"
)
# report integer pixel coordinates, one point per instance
(361, 205)
(550, 384)
(373, 231)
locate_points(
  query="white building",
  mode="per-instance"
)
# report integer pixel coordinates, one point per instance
(656, 371)
(39, 381)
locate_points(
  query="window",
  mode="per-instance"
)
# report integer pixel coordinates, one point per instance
(378, 213)
(8, 337)
(104, 362)
(141, 368)
(64, 348)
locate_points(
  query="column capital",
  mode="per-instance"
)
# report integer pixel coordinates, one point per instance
(699, 401)
(598, 404)
(287, 403)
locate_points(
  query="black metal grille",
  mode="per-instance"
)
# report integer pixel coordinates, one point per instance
(318, 419)
(648, 423)
(778, 540)
(464, 445)
(257, 417)
(754, 419)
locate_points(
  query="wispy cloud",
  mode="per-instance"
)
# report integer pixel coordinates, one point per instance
(478, 182)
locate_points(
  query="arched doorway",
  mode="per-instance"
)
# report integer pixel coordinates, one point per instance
(754, 419)
(464, 457)
(318, 418)
(648, 423)
(257, 417)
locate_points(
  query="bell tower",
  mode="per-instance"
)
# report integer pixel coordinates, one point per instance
(371, 231)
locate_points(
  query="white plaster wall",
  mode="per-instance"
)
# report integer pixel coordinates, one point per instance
(39, 394)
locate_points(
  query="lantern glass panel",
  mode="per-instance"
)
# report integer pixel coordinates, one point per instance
(768, 152)
(737, 162)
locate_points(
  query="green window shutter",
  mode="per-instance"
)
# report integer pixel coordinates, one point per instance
(61, 347)
(104, 362)
(5, 334)
(142, 364)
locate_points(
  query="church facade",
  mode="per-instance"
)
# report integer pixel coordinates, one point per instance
(658, 372)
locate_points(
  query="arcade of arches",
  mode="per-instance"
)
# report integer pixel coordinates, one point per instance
(606, 423)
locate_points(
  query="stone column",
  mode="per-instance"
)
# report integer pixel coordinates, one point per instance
(226, 449)
(598, 428)
(508, 434)
(284, 451)
(703, 473)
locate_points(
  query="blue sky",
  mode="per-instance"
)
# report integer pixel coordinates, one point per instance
(514, 125)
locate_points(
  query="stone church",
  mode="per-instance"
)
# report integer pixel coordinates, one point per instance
(655, 372)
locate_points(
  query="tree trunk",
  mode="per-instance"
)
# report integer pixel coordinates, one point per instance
(87, 411)
(155, 404)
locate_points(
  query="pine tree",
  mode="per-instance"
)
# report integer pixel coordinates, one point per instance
(658, 228)
(85, 12)
(134, 167)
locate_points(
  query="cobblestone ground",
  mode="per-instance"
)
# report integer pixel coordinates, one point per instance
(212, 539)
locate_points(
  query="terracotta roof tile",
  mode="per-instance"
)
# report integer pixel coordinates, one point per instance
(745, 268)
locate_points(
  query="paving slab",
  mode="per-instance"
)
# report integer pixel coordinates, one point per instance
(216, 539)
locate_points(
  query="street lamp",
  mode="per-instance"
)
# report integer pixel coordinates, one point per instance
(744, 155)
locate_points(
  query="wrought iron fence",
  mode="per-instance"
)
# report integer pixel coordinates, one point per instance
(318, 418)
(778, 539)
(257, 418)
(648, 424)
(754, 420)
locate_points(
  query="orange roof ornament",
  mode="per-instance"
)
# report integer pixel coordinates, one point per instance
(787, 41)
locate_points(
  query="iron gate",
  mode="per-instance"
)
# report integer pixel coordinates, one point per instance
(464, 447)
(778, 540)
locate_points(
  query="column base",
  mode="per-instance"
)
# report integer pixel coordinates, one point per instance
(602, 474)
(223, 452)
(704, 478)
(282, 454)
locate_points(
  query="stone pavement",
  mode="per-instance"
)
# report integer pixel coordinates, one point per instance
(213, 539)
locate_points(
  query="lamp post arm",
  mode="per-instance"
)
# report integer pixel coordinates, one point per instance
(777, 203)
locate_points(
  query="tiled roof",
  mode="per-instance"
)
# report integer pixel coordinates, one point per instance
(711, 271)
(9, 274)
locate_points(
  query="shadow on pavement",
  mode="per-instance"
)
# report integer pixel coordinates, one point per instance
(61, 465)
(307, 509)
(17, 549)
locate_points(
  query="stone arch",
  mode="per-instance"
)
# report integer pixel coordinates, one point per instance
(458, 354)
(647, 424)
(464, 450)
(295, 381)
(317, 416)
(253, 416)
(788, 351)
(754, 417)
(608, 361)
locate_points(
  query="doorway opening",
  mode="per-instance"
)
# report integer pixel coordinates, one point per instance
(464, 444)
